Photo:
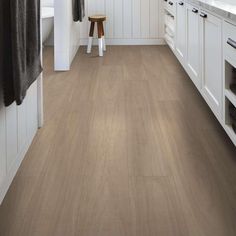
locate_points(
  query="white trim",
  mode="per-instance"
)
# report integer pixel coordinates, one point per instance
(128, 42)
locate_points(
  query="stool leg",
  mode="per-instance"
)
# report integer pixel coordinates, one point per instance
(104, 44)
(100, 41)
(90, 41)
(103, 38)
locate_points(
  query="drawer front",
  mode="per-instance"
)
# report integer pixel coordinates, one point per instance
(165, 3)
(230, 40)
(171, 6)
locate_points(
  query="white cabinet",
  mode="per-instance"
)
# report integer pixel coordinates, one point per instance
(170, 6)
(181, 30)
(211, 49)
(199, 48)
(229, 65)
(193, 44)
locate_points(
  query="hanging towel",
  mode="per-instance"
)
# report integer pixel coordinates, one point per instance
(22, 48)
(78, 10)
(1, 53)
(6, 72)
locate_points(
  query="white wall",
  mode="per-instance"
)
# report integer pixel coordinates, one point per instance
(66, 33)
(128, 21)
(47, 3)
(18, 126)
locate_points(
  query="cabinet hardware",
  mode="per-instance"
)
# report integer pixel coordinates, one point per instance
(181, 3)
(203, 15)
(171, 3)
(195, 10)
(165, 0)
(232, 43)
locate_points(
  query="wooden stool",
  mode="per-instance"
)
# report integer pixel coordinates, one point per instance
(99, 19)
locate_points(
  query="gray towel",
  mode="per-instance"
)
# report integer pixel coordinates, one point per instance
(21, 45)
(6, 70)
(78, 10)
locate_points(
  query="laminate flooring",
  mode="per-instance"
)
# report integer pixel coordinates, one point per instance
(129, 148)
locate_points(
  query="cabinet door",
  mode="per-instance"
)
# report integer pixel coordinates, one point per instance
(211, 43)
(181, 30)
(193, 44)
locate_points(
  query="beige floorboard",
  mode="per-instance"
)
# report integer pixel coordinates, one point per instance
(129, 148)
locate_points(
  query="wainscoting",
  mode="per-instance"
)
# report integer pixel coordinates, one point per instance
(18, 126)
(128, 21)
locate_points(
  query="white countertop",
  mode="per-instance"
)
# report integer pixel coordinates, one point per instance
(224, 8)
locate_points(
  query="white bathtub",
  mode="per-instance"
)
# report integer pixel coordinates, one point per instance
(47, 22)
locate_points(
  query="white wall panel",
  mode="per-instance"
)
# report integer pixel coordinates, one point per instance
(32, 111)
(66, 34)
(136, 19)
(109, 6)
(145, 18)
(127, 20)
(118, 19)
(84, 25)
(11, 135)
(18, 126)
(154, 18)
(22, 126)
(47, 3)
(3, 157)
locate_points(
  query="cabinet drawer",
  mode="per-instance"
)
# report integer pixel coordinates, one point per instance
(169, 5)
(230, 40)
(165, 2)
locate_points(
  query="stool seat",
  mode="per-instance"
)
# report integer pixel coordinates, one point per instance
(97, 18)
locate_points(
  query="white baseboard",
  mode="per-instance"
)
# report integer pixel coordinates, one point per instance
(128, 41)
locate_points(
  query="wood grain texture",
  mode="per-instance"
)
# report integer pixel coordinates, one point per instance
(129, 148)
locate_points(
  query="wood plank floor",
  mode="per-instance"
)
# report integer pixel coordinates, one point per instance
(129, 148)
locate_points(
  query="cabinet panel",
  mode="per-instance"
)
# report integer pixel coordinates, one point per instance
(229, 41)
(211, 41)
(193, 44)
(181, 30)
